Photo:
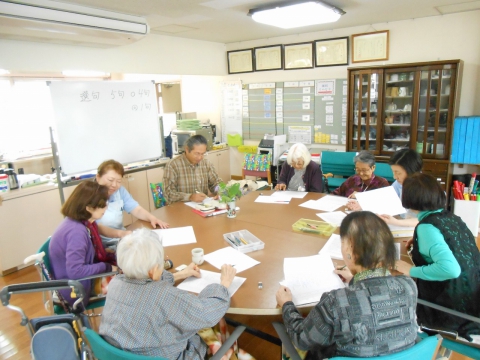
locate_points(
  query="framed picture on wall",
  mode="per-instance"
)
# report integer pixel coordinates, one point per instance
(370, 46)
(240, 61)
(298, 56)
(268, 58)
(331, 52)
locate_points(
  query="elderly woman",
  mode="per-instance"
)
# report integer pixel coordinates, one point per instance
(110, 173)
(364, 180)
(145, 314)
(300, 173)
(404, 163)
(358, 320)
(446, 258)
(75, 249)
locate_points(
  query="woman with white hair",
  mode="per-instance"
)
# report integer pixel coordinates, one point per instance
(145, 314)
(300, 173)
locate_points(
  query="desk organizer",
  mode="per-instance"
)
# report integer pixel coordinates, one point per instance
(314, 227)
(234, 239)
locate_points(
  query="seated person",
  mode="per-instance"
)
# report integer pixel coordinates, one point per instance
(446, 258)
(404, 163)
(350, 321)
(189, 177)
(75, 249)
(300, 173)
(110, 173)
(364, 180)
(146, 315)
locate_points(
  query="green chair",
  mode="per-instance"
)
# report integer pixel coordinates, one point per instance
(337, 167)
(384, 170)
(424, 349)
(102, 350)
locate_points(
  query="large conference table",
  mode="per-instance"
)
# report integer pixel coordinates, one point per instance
(271, 223)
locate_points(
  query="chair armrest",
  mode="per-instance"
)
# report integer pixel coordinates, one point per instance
(98, 276)
(286, 341)
(229, 342)
(328, 175)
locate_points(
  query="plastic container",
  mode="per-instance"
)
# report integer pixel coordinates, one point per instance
(314, 227)
(469, 212)
(234, 239)
(4, 183)
(234, 139)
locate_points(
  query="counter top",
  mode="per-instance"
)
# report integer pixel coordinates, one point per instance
(17, 193)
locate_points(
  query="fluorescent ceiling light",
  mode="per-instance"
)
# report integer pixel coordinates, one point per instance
(85, 73)
(297, 14)
(4, 72)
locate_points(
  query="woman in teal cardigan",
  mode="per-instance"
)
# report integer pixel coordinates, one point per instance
(446, 258)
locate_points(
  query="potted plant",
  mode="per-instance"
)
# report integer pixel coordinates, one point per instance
(228, 194)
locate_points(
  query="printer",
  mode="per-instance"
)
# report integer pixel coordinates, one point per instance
(273, 144)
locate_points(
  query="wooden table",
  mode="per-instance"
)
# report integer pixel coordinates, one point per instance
(271, 223)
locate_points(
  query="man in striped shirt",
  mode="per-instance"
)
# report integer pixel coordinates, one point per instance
(189, 177)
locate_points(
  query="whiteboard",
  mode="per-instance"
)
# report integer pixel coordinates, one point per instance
(97, 121)
(231, 114)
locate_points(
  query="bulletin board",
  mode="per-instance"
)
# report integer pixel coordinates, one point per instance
(312, 112)
(97, 121)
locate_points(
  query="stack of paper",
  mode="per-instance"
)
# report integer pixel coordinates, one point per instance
(309, 277)
(401, 231)
(196, 285)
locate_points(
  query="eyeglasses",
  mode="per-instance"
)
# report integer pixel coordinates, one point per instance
(363, 171)
(197, 154)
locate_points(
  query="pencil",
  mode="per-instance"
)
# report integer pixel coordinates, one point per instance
(343, 267)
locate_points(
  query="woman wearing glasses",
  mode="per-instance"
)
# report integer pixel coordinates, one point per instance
(364, 179)
(110, 173)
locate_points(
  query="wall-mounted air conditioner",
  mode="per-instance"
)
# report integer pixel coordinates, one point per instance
(45, 20)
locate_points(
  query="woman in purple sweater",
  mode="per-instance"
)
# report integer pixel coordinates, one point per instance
(74, 252)
(300, 173)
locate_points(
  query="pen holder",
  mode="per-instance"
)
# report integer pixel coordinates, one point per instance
(244, 241)
(469, 212)
(314, 227)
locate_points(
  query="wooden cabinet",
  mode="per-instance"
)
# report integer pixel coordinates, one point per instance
(405, 106)
(221, 161)
(137, 186)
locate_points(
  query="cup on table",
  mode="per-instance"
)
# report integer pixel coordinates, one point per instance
(197, 256)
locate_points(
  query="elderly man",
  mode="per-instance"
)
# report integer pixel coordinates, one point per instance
(190, 176)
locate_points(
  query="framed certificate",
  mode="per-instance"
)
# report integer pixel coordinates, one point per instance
(331, 52)
(268, 58)
(298, 56)
(240, 61)
(370, 46)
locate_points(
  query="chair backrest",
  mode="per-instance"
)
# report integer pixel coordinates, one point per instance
(425, 349)
(338, 163)
(46, 258)
(158, 195)
(102, 350)
(384, 170)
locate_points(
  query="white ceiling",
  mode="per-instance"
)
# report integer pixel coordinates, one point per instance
(226, 21)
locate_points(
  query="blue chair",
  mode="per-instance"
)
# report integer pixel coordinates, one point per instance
(425, 349)
(102, 350)
(336, 168)
(384, 170)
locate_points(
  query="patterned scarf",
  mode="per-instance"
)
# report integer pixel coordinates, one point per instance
(100, 254)
(366, 274)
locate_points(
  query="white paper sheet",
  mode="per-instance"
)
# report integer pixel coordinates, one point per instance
(271, 200)
(401, 231)
(309, 277)
(231, 256)
(196, 285)
(333, 247)
(326, 203)
(208, 200)
(176, 236)
(334, 218)
(289, 194)
(381, 201)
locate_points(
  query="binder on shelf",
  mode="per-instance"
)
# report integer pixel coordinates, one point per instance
(461, 144)
(475, 153)
(468, 139)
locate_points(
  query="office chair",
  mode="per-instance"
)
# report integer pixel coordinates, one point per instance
(257, 165)
(425, 349)
(60, 306)
(384, 170)
(102, 350)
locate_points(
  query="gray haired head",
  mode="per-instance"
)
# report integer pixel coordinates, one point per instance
(365, 157)
(195, 140)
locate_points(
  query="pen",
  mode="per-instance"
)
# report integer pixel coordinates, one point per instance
(312, 226)
(216, 213)
(243, 241)
(343, 267)
(230, 241)
(237, 240)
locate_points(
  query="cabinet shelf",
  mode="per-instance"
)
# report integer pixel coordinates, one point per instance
(397, 125)
(432, 129)
(396, 140)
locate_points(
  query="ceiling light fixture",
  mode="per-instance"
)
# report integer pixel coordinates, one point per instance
(296, 14)
(4, 72)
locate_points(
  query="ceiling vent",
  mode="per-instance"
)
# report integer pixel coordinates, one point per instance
(51, 21)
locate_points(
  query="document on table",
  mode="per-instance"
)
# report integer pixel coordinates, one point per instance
(289, 194)
(381, 201)
(272, 200)
(196, 285)
(309, 277)
(176, 236)
(335, 218)
(401, 231)
(326, 203)
(194, 204)
(231, 256)
(333, 247)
